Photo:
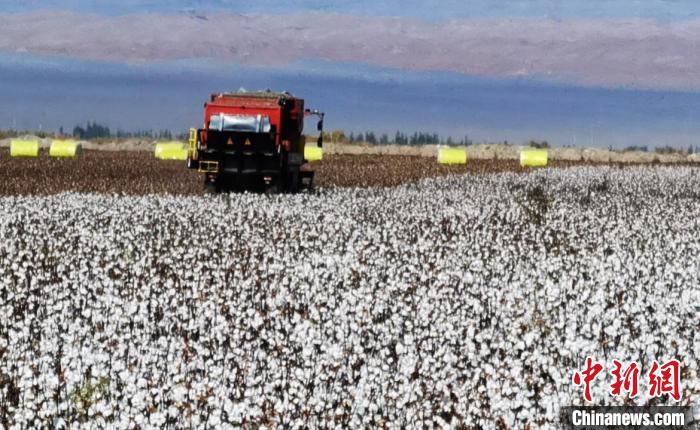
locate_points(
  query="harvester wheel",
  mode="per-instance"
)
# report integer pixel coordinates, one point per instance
(192, 164)
(271, 189)
(293, 179)
(210, 187)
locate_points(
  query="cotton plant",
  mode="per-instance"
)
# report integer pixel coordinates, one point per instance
(459, 301)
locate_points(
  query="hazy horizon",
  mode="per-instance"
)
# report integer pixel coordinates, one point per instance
(617, 74)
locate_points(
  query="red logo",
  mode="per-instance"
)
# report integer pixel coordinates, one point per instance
(661, 379)
(626, 379)
(589, 374)
(665, 379)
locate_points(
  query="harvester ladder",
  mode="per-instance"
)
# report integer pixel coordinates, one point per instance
(193, 144)
(207, 166)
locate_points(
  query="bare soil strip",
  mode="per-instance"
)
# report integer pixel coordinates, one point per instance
(138, 173)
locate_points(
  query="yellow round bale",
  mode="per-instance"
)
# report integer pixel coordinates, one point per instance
(533, 157)
(452, 156)
(24, 148)
(313, 153)
(171, 151)
(64, 148)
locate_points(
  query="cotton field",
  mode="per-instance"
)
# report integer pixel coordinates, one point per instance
(139, 173)
(463, 301)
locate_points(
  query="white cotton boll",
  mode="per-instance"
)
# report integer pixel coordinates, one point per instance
(138, 401)
(140, 420)
(141, 383)
(124, 375)
(397, 298)
(529, 338)
(173, 412)
(179, 394)
(57, 422)
(157, 419)
(614, 328)
(257, 321)
(476, 266)
(132, 308)
(691, 299)
(400, 349)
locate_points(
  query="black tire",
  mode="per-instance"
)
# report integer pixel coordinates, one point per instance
(272, 189)
(293, 179)
(210, 187)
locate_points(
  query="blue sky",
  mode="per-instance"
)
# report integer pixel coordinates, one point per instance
(585, 73)
(665, 10)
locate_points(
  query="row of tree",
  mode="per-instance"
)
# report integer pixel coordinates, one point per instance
(399, 138)
(664, 149)
(94, 130)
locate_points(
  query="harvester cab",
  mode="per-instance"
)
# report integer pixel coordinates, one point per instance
(253, 141)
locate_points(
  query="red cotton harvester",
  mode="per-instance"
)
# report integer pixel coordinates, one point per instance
(252, 141)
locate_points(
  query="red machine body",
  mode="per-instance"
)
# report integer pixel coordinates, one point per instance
(286, 112)
(252, 139)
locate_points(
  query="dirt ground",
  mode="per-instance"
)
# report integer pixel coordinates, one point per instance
(136, 172)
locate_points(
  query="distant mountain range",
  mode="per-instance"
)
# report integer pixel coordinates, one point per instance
(46, 93)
